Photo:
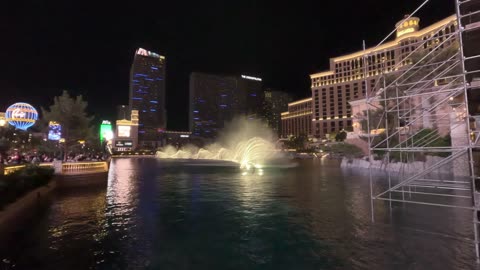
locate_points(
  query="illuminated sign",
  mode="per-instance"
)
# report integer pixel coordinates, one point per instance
(54, 131)
(405, 31)
(106, 131)
(21, 115)
(184, 136)
(124, 144)
(144, 52)
(123, 131)
(251, 78)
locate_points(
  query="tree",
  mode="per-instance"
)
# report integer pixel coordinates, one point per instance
(331, 136)
(297, 142)
(70, 113)
(341, 136)
(4, 147)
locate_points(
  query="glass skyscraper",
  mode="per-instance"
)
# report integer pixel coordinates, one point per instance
(147, 93)
(217, 99)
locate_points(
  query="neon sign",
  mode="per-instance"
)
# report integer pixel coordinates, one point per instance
(106, 132)
(123, 131)
(54, 131)
(21, 115)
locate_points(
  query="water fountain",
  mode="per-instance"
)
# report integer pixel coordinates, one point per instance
(245, 142)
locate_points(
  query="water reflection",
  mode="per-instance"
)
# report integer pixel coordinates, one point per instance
(158, 214)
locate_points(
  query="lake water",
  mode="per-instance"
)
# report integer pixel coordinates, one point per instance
(158, 214)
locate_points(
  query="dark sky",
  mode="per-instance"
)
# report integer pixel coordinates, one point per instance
(87, 46)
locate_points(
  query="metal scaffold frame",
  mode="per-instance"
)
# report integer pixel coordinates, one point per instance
(421, 106)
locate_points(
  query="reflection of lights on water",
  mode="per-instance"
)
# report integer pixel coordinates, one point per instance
(259, 172)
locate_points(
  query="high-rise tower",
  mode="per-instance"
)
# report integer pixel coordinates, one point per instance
(147, 93)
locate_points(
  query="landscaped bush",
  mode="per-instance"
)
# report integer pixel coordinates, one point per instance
(16, 184)
(344, 149)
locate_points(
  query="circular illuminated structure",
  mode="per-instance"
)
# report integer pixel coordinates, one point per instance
(21, 115)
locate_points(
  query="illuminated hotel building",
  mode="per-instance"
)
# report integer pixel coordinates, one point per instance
(147, 93)
(297, 120)
(216, 100)
(352, 75)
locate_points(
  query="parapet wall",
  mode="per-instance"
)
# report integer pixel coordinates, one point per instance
(397, 167)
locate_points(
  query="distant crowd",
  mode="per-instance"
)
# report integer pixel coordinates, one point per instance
(18, 159)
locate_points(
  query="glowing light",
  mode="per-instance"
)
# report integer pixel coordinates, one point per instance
(54, 131)
(405, 31)
(144, 52)
(300, 101)
(124, 131)
(21, 115)
(2, 119)
(106, 132)
(251, 78)
(108, 135)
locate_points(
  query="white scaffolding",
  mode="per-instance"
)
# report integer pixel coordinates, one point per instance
(423, 107)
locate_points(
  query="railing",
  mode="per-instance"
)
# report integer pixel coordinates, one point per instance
(84, 167)
(11, 169)
(67, 168)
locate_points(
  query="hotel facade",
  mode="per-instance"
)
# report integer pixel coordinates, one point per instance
(297, 120)
(351, 76)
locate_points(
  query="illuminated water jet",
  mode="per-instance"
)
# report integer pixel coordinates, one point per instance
(248, 143)
(252, 153)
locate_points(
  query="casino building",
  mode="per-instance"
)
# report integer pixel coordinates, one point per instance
(351, 76)
(297, 120)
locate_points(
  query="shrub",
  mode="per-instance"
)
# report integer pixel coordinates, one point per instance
(341, 136)
(18, 183)
(344, 149)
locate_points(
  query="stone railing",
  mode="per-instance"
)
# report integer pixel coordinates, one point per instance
(84, 167)
(67, 168)
(10, 169)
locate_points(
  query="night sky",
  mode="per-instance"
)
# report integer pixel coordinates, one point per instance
(87, 47)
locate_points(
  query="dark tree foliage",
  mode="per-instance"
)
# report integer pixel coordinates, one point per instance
(70, 113)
